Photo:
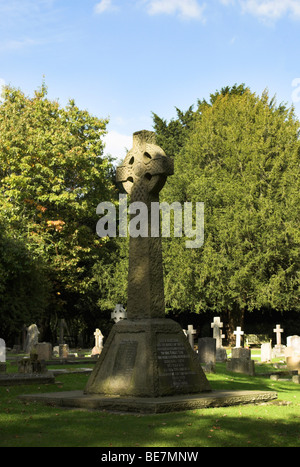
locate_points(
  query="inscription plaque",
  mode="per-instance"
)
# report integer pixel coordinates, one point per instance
(173, 362)
(125, 359)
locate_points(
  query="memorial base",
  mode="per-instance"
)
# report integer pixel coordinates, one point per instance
(147, 358)
(150, 405)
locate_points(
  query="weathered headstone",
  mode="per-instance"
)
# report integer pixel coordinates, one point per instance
(31, 338)
(238, 333)
(44, 350)
(2, 356)
(240, 361)
(266, 352)
(207, 353)
(2, 351)
(278, 332)
(146, 355)
(97, 349)
(31, 365)
(63, 350)
(216, 326)
(292, 352)
(293, 363)
(293, 346)
(118, 313)
(190, 335)
(278, 349)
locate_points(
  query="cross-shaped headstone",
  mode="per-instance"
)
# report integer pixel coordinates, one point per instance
(278, 332)
(217, 333)
(189, 333)
(143, 174)
(98, 339)
(238, 333)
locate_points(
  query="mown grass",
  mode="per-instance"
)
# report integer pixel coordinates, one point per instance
(275, 424)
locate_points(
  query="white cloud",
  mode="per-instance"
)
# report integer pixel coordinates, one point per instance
(116, 144)
(11, 45)
(184, 8)
(271, 9)
(104, 5)
(268, 9)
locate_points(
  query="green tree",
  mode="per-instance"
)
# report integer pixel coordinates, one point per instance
(241, 158)
(52, 177)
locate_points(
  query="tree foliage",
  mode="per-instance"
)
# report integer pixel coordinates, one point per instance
(241, 158)
(52, 177)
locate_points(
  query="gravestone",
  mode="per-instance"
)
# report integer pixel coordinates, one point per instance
(44, 350)
(63, 350)
(293, 346)
(266, 352)
(118, 313)
(216, 326)
(146, 355)
(207, 353)
(278, 349)
(240, 361)
(97, 349)
(2, 356)
(293, 363)
(238, 333)
(31, 338)
(292, 352)
(190, 335)
(31, 365)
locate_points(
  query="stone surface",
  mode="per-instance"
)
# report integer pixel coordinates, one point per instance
(293, 363)
(31, 338)
(238, 333)
(241, 365)
(118, 313)
(31, 365)
(143, 174)
(152, 405)
(147, 358)
(15, 379)
(296, 379)
(146, 355)
(241, 362)
(2, 351)
(221, 355)
(278, 332)
(240, 352)
(207, 350)
(266, 352)
(44, 350)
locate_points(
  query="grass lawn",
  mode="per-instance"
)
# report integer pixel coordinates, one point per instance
(273, 424)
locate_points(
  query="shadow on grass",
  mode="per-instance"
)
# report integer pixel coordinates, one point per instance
(228, 380)
(32, 424)
(222, 427)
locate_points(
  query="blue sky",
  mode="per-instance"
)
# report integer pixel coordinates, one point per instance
(125, 59)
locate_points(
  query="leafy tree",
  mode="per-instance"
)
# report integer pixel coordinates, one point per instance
(24, 288)
(52, 177)
(241, 158)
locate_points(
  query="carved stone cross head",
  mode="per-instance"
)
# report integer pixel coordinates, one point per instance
(145, 167)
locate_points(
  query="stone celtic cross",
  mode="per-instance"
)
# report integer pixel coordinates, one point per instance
(143, 174)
